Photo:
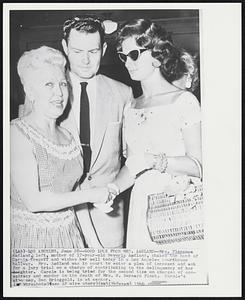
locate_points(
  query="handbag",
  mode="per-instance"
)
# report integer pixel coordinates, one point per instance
(176, 217)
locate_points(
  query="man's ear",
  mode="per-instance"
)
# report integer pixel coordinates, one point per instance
(104, 48)
(64, 45)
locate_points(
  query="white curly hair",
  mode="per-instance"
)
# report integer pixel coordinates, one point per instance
(38, 58)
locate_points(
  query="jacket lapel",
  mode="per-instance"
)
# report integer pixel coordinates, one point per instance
(103, 110)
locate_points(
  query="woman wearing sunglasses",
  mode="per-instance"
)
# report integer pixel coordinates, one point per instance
(161, 127)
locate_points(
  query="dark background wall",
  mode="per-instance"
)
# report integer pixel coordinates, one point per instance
(33, 28)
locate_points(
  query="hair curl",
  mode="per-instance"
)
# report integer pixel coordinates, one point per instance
(190, 68)
(87, 24)
(38, 58)
(152, 36)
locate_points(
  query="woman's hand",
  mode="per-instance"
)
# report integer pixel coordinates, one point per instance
(99, 195)
(101, 198)
(149, 159)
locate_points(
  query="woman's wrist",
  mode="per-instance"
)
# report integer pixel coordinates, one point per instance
(182, 165)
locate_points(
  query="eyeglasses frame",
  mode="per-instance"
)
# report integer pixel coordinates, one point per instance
(140, 51)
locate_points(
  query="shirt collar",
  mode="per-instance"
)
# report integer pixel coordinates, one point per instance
(77, 80)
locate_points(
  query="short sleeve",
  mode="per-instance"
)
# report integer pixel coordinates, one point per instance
(189, 110)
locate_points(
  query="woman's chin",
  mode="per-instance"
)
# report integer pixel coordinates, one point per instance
(135, 76)
(55, 114)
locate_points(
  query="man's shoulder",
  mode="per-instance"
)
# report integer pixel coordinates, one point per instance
(113, 83)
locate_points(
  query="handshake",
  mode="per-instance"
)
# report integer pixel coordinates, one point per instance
(103, 198)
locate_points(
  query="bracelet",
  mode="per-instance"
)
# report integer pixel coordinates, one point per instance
(160, 162)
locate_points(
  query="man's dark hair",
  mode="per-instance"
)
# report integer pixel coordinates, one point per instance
(87, 24)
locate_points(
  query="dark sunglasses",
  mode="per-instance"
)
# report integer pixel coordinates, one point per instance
(134, 54)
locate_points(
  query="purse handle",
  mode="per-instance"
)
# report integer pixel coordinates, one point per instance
(199, 166)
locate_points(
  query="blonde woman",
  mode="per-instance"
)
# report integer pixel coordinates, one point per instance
(46, 162)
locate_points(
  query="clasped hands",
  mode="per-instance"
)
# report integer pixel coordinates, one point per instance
(103, 197)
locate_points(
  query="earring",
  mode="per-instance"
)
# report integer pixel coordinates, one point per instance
(156, 64)
(188, 81)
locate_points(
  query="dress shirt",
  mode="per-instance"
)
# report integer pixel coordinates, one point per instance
(91, 91)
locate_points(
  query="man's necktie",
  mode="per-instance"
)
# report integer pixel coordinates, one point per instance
(85, 126)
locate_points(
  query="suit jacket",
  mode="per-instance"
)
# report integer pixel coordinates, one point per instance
(112, 97)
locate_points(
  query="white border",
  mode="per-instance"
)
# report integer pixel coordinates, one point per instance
(221, 107)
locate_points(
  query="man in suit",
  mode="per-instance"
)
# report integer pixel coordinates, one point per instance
(94, 116)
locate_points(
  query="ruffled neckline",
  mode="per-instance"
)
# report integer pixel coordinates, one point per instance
(43, 136)
(63, 151)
